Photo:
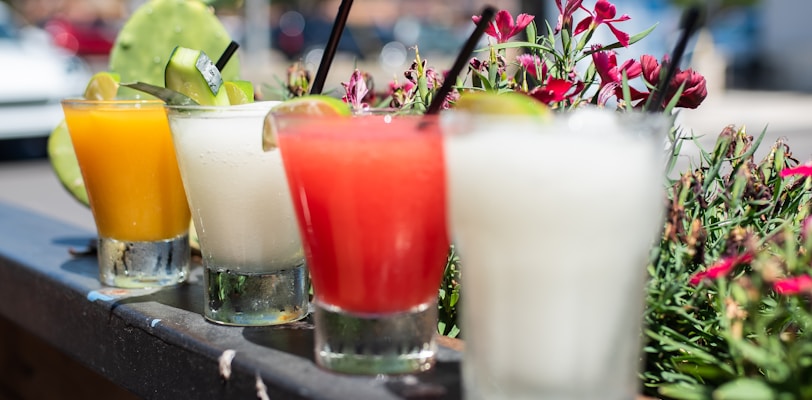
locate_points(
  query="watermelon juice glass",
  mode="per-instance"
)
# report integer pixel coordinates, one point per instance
(369, 194)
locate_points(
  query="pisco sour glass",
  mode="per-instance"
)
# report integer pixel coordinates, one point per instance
(255, 272)
(125, 153)
(369, 194)
(553, 222)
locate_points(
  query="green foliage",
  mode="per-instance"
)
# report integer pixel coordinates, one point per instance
(733, 337)
(449, 298)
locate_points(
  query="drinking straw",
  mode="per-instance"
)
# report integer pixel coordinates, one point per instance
(462, 60)
(332, 45)
(690, 21)
(223, 60)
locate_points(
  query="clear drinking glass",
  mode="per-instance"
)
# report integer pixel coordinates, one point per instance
(127, 161)
(554, 222)
(369, 195)
(255, 272)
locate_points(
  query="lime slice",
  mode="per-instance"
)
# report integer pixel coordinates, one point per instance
(239, 92)
(191, 72)
(507, 103)
(63, 161)
(102, 86)
(316, 105)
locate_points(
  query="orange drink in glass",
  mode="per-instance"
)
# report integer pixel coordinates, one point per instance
(125, 153)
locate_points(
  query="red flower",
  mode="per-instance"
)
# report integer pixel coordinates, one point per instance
(555, 90)
(612, 75)
(721, 268)
(604, 13)
(794, 285)
(503, 27)
(802, 170)
(694, 92)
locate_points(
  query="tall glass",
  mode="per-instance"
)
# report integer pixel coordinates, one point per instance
(369, 195)
(554, 222)
(128, 164)
(255, 272)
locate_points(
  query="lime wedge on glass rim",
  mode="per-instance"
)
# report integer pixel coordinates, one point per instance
(315, 105)
(102, 86)
(507, 103)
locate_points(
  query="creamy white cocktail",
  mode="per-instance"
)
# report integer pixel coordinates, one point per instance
(242, 213)
(553, 222)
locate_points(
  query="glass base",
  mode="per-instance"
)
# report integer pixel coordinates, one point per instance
(376, 344)
(256, 299)
(160, 263)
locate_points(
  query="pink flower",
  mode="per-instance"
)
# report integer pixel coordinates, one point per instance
(794, 285)
(356, 90)
(721, 268)
(802, 170)
(604, 13)
(565, 13)
(503, 27)
(532, 64)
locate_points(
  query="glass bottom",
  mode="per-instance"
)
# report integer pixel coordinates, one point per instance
(150, 264)
(398, 343)
(256, 299)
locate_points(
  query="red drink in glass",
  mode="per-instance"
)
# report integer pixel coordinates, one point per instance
(369, 194)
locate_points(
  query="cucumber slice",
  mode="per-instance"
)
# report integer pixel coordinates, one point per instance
(191, 72)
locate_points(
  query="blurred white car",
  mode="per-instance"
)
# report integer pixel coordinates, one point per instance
(35, 75)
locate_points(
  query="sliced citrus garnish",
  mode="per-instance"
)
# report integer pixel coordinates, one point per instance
(508, 103)
(315, 105)
(102, 86)
(239, 92)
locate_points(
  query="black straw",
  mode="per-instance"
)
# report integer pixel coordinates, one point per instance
(223, 60)
(332, 45)
(690, 21)
(462, 60)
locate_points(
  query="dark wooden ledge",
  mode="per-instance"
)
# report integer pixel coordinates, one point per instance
(157, 345)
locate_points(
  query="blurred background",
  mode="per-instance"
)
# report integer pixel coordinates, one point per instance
(49, 48)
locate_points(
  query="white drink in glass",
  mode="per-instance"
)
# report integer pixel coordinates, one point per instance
(554, 223)
(242, 213)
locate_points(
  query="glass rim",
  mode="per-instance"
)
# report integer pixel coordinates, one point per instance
(253, 106)
(114, 102)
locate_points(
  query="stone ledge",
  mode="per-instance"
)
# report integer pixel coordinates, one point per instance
(157, 345)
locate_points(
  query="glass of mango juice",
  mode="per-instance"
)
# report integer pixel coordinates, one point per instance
(127, 159)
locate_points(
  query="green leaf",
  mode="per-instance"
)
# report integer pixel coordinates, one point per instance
(744, 389)
(683, 391)
(632, 40)
(169, 96)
